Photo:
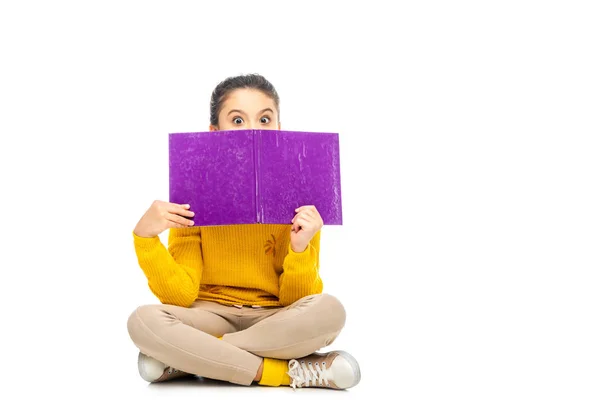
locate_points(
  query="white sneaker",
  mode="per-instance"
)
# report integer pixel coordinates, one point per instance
(334, 370)
(152, 370)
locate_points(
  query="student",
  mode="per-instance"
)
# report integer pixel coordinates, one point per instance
(240, 303)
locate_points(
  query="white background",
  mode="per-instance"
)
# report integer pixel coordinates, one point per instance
(468, 259)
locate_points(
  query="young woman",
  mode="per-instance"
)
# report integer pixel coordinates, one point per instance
(240, 303)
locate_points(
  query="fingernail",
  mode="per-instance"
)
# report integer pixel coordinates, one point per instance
(191, 222)
(193, 213)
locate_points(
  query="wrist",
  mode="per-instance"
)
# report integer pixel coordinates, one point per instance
(141, 233)
(298, 248)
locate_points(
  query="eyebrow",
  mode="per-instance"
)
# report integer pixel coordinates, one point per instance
(241, 112)
(236, 111)
(265, 110)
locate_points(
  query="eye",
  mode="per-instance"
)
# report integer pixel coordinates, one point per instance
(265, 120)
(238, 120)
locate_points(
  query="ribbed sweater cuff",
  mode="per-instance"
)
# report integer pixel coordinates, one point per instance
(144, 243)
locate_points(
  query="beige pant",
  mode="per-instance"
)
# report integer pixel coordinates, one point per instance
(186, 338)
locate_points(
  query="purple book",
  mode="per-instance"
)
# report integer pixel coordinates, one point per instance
(255, 176)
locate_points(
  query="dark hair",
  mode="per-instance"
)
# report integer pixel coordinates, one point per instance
(249, 81)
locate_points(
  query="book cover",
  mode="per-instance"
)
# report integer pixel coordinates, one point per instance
(255, 176)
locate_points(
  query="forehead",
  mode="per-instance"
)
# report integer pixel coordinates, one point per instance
(247, 100)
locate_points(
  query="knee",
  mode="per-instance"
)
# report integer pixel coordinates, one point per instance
(334, 310)
(143, 319)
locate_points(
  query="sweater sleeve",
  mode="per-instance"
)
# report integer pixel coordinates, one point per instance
(300, 276)
(173, 274)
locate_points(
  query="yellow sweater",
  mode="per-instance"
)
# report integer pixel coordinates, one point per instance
(234, 264)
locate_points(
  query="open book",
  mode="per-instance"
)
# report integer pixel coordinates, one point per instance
(255, 176)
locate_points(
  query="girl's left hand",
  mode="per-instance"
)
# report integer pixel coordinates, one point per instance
(305, 225)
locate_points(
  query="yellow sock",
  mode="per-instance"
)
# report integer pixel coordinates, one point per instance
(220, 338)
(274, 373)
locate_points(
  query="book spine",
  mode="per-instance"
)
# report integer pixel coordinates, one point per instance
(257, 144)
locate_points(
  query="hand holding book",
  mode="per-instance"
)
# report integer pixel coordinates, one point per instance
(305, 225)
(161, 216)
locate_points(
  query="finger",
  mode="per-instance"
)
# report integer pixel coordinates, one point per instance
(303, 223)
(302, 208)
(301, 214)
(175, 225)
(179, 220)
(186, 213)
(180, 209)
(176, 206)
(296, 228)
(309, 212)
(296, 224)
(309, 215)
(312, 212)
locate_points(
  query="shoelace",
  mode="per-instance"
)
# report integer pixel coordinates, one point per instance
(302, 374)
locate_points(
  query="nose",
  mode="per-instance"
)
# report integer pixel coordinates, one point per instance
(252, 125)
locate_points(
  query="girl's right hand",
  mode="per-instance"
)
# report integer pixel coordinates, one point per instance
(161, 216)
